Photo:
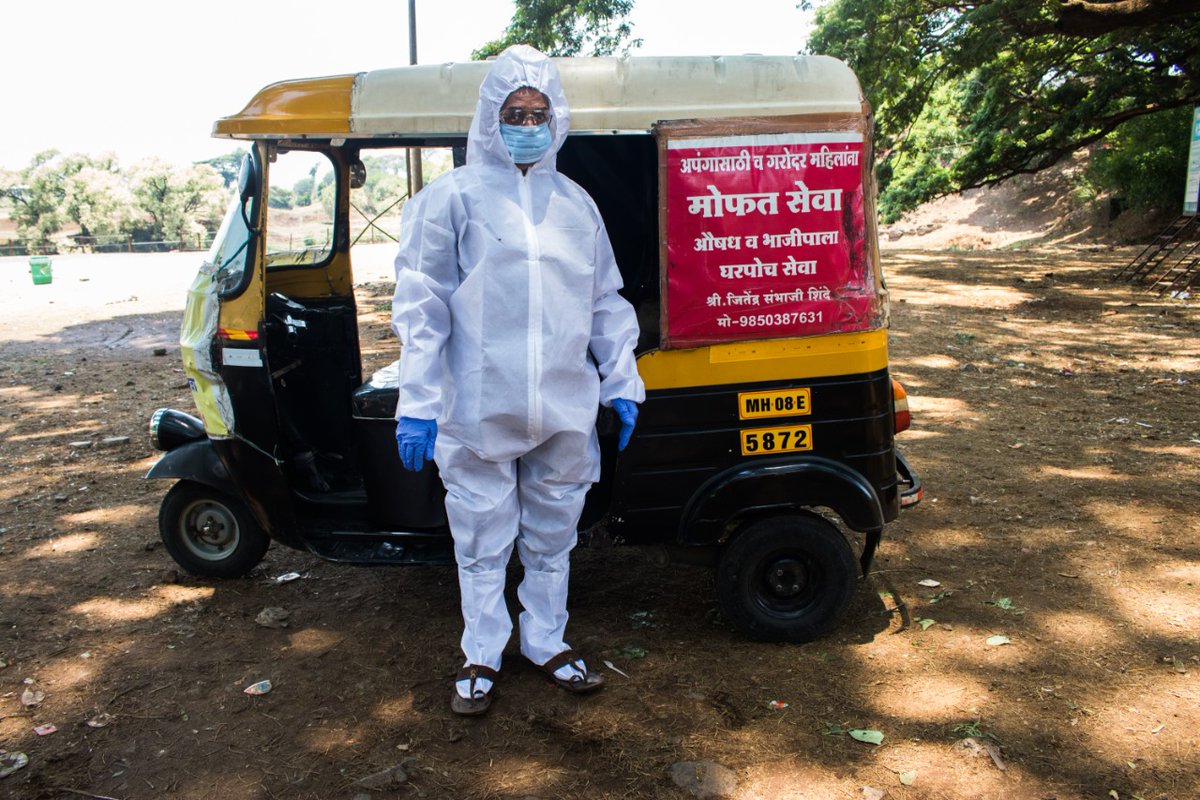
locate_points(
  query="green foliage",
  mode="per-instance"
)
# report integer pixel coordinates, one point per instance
(567, 28)
(173, 202)
(1010, 86)
(96, 197)
(892, 45)
(973, 729)
(378, 166)
(152, 201)
(278, 197)
(54, 191)
(1145, 160)
(227, 166)
(387, 182)
(35, 196)
(305, 193)
(302, 191)
(326, 193)
(923, 168)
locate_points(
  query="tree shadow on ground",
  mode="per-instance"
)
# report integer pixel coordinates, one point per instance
(1047, 521)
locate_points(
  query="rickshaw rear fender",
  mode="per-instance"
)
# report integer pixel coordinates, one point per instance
(195, 461)
(780, 485)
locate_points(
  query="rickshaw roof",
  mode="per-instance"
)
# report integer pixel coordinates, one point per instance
(626, 94)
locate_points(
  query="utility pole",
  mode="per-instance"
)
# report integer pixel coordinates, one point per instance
(416, 180)
(412, 31)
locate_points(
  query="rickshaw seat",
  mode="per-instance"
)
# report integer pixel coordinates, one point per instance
(398, 499)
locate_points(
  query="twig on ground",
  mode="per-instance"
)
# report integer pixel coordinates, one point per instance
(124, 692)
(83, 794)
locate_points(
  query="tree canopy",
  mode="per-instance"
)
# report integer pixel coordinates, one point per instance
(970, 92)
(176, 202)
(228, 166)
(567, 28)
(150, 201)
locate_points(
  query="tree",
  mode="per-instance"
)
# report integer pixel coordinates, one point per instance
(386, 182)
(1142, 156)
(54, 191)
(1029, 81)
(228, 166)
(175, 203)
(567, 28)
(305, 190)
(279, 197)
(923, 167)
(35, 195)
(302, 191)
(152, 201)
(96, 196)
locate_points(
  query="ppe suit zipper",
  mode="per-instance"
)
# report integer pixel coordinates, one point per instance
(534, 348)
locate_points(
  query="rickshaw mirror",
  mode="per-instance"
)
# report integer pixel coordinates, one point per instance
(358, 174)
(247, 179)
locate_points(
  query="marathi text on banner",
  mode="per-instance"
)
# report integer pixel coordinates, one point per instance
(766, 238)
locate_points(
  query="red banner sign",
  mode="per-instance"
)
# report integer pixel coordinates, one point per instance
(766, 238)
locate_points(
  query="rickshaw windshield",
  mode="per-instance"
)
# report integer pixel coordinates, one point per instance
(300, 210)
(228, 254)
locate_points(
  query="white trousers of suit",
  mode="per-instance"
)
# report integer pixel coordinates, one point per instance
(532, 503)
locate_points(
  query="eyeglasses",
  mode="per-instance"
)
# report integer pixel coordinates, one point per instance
(524, 116)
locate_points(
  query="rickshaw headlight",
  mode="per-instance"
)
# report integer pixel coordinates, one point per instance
(900, 406)
(170, 429)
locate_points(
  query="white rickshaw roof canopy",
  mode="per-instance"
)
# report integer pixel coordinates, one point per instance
(607, 95)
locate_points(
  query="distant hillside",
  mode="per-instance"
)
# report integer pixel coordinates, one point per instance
(1044, 209)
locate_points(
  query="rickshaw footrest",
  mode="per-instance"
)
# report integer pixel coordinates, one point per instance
(399, 549)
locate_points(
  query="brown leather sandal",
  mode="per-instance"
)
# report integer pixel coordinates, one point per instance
(479, 702)
(576, 684)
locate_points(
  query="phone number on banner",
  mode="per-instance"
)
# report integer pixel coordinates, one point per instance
(764, 320)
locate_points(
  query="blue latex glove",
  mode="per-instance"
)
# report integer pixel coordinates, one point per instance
(415, 438)
(627, 410)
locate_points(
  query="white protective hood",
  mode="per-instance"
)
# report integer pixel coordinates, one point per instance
(516, 68)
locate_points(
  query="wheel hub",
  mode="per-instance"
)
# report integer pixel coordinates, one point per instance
(786, 577)
(212, 530)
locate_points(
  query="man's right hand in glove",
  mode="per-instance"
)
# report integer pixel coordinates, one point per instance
(415, 438)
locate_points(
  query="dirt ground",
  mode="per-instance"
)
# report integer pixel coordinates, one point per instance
(1055, 426)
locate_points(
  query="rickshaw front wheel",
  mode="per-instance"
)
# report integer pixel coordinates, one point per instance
(787, 578)
(209, 533)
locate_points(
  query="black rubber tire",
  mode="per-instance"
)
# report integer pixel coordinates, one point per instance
(209, 533)
(787, 578)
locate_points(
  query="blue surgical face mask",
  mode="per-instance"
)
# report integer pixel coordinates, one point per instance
(526, 143)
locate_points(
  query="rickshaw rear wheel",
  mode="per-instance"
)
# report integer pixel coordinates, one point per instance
(209, 533)
(787, 578)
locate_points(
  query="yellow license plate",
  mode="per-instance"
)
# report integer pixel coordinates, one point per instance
(775, 403)
(765, 441)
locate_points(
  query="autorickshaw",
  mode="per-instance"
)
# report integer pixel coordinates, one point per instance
(739, 197)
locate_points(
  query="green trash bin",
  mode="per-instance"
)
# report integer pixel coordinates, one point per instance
(39, 267)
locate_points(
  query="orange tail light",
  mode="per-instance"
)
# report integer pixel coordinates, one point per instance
(900, 406)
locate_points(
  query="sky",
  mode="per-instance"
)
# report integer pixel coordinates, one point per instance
(146, 78)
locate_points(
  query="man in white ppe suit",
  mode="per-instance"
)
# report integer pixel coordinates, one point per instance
(513, 334)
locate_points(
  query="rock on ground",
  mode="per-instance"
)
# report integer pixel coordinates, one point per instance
(704, 779)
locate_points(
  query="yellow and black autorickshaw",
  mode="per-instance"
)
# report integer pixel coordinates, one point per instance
(739, 197)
